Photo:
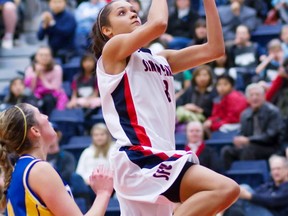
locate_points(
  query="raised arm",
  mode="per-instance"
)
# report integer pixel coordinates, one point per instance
(122, 45)
(192, 56)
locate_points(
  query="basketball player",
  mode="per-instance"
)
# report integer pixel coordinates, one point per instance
(137, 98)
(32, 186)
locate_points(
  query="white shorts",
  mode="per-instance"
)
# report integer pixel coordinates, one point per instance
(142, 174)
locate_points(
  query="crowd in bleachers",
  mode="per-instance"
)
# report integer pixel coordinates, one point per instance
(229, 110)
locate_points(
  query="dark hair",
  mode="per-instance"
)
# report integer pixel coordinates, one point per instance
(226, 77)
(98, 38)
(11, 98)
(83, 59)
(197, 71)
(13, 139)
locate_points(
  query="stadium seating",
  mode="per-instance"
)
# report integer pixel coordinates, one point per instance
(69, 121)
(77, 144)
(251, 172)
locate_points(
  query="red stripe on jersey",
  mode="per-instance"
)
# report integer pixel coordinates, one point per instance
(139, 130)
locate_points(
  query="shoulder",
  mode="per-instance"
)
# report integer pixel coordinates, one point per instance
(270, 107)
(249, 11)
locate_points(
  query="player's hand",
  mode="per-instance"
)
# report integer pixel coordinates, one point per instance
(101, 180)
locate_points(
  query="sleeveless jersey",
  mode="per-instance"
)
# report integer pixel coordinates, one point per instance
(138, 103)
(21, 200)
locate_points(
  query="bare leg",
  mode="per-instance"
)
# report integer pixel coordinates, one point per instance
(10, 17)
(205, 192)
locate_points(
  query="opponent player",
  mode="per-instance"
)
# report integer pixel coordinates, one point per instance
(138, 103)
(32, 186)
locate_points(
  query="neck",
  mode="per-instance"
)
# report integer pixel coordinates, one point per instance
(37, 153)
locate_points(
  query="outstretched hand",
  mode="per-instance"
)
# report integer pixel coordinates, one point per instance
(101, 180)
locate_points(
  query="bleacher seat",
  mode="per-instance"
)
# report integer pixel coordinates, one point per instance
(71, 68)
(219, 139)
(251, 172)
(180, 140)
(264, 33)
(69, 121)
(77, 144)
(113, 208)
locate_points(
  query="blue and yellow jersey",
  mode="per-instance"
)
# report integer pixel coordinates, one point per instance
(21, 200)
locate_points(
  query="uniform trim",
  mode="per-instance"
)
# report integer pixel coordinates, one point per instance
(27, 186)
(124, 105)
(145, 158)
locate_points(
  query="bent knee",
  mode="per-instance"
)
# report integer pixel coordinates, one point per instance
(228, 189)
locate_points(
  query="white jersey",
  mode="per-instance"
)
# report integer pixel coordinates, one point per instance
(139, 109)
(139, 104)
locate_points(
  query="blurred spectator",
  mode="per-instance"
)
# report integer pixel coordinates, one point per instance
(261, 126)
(18, 93)
(200, 32)
(85, 89)
(59, 26)
(86, 14)
(278, 92)
(195, 142)
(62, 161)
(197, 101)
(270, 198)
(227, 107)
(235, 14)
(97, 153)
(282, 7)
(284, 39)
(44, 78)
(9, 13)
(180, 28)
(268, 68)
(244, 53)
(244, 57)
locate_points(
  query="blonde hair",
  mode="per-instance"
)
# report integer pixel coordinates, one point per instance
(105, 148)
(14, 124)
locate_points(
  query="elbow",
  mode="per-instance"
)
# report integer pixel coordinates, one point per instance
(160, 26)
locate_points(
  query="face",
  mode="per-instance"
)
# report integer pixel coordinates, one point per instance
(47, 132)
(88, 64)
(224, 87)
(43, 56)
(202, 79)
(194, 132)
(201, 32)
(242, 34)
(182, 4)
(284, 34)
(123, 19)
(99, 137)
(17, 87)
(57, 6)
(278, 171)
(256, 98)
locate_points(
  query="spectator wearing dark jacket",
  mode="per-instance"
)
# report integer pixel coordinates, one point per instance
(270, 198)
(261, 126)
(180, 28)
(59, 25)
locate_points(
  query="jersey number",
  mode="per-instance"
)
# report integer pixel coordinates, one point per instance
(166, 90)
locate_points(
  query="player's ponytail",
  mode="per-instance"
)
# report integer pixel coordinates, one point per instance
(6, 169)
(97, 36)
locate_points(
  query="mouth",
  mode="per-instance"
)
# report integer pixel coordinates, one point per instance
(136, 22)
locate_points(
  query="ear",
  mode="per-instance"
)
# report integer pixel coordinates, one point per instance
(107, 31)
(35, 132)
